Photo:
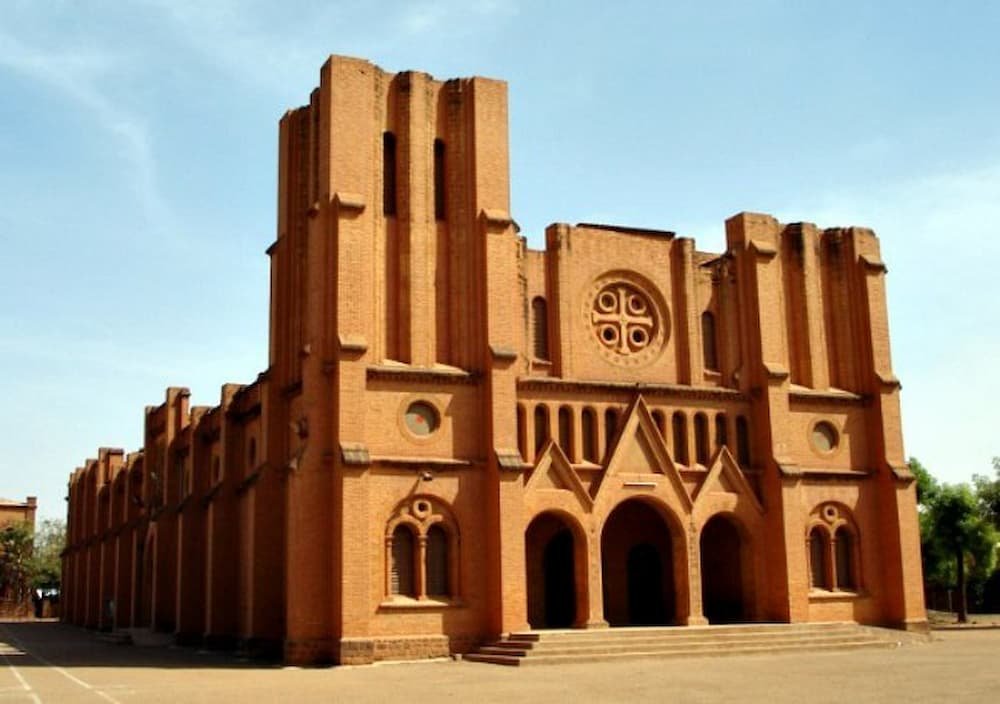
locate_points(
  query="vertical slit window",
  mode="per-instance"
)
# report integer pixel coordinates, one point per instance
(522, 439)
(540, 328)
(439, 180)
(701, 438)
(389, 173)
(661, 423)
(401, 577)
(679, 423)
(436, 567)
(708, 341)
(610, 429)
(742, 441)
(817, 559)
(721, 436)
(541, 427)
(844, 560)
(588, 426)
(566, 431)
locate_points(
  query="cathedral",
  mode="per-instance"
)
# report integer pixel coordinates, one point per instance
(458, 436)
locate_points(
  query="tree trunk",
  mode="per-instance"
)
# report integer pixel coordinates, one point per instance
(962, 607)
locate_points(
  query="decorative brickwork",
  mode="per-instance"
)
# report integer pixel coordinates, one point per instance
(458, 436)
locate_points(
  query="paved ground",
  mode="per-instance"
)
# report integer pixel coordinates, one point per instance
(49, 662)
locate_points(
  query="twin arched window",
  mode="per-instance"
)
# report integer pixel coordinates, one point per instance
(832, 558)
(421, 551)
(414, 575)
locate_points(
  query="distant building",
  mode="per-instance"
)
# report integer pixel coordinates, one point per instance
(458, 436)
(12, 512)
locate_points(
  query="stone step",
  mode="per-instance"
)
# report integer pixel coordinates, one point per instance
(705, 645)
(743, 649)
(539, 647)
(680, 632)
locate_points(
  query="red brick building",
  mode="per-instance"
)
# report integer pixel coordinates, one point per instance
(458, 436)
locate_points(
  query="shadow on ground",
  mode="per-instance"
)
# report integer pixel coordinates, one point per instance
(28, 644)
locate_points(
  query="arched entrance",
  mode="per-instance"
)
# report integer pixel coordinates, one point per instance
(722, 571)
(638, 567)
(550, 548)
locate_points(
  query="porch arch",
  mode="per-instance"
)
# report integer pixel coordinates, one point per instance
(556, 571)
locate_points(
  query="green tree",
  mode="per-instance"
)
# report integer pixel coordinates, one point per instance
(46, 561)
(959, 530)
(988, 494)
(15, 561)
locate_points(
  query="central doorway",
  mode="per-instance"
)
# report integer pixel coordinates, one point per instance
(637, 565)
(722, 571)
(550, 561)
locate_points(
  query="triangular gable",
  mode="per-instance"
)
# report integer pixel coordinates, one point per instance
(725, 475)
(554, 471)
(640, 449)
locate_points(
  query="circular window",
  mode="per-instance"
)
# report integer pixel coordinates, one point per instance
(421, 418)
(625, 322)
(824, 437)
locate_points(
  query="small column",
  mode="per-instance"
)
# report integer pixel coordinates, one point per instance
(421, 571)
(695, 616)
(595, 582)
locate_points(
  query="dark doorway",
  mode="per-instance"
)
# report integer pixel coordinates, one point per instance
(637, 567)
(560, 589)
(645, 586)
(722, 572)
(551, 573)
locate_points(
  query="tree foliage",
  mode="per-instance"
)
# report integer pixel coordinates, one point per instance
(988, 494)
(46, 561)
(957, 534)
(15, 561)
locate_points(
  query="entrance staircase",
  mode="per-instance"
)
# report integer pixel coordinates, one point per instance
(545, 647)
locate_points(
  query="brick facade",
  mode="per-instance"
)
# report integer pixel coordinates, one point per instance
(458, 436)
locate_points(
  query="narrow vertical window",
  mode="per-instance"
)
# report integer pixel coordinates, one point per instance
(742, 441)
(522, 436)
(721, 436)
(817, 559)
(388, 173)
(844, 559)
(439, 180)
(436, 566)
(701, 438)
(679, 424)
(588, 426)
(610, 429)
(540, 328)
(708, 342)
(541, 427)
(401, 577)
(661, 423)
(566, 431)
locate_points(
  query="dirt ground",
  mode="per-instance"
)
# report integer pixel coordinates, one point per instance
(50, 662)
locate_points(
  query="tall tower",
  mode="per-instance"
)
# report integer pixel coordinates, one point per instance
(393, 227)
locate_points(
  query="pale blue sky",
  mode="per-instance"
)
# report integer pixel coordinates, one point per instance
(137, 176)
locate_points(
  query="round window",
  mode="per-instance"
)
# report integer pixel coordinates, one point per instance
(824, 437)
(421, 418)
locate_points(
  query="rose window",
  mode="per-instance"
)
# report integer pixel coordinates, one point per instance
(623, 319)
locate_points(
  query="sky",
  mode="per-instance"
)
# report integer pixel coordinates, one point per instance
(138, 149)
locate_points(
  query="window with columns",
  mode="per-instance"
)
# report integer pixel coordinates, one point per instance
(422, 547)
(834, 560)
